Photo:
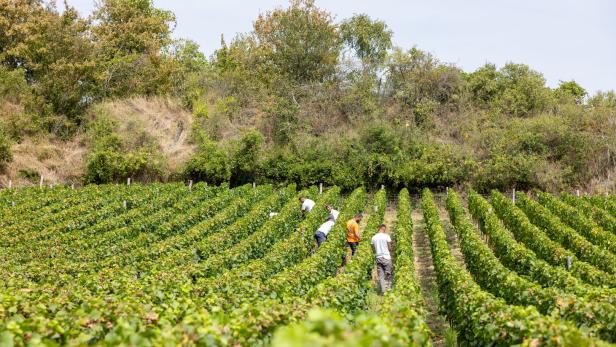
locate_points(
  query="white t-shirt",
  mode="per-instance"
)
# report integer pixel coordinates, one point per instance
(379, 241)
(326, 227)
(334, 214)
(307, 205)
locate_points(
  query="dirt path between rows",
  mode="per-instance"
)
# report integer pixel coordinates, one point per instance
(364, 234)
(452, 237)
(424, 268)
(389, 219)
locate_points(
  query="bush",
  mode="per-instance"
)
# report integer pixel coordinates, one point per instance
(105, 166)
(247, 158)
(5, 152)
(209, 164)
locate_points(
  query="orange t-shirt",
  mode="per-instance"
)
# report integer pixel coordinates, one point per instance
(352, 231)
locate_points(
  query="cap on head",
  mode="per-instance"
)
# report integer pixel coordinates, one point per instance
(382, 227)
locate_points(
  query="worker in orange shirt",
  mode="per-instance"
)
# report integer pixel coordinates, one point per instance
(352, 232)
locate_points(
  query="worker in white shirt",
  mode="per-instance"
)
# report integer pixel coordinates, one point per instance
(321, 234)
(332, 212)
(307, 204)
(381, 246)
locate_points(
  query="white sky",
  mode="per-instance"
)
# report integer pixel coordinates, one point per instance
(563, 39)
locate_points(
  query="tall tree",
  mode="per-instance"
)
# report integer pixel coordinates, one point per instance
(54, 52)
(301, 41)
(130, 36)
(370, 39)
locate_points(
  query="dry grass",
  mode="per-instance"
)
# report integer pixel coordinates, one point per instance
(156, 120)
(57, 161)
(160, 119)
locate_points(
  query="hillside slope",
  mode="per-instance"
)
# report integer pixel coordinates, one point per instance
(157, 120)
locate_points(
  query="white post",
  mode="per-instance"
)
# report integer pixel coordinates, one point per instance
(320, 188)
(190, 183)
(254, 185)
(513, 196)
(577, 192)
(447, 191)
(73, 186)
(569, 262)
(382, 186)
(41, 181)
(13, 203)
(10, 184)
(128, 181)
(124, 204)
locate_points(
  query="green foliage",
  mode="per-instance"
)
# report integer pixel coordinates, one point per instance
(208, 164)
(370, 39)
(493, 276)
(544, 247)
(247, 158)
(5, 151)
(113, 159)
(515, 89)
(13, 85)
(283, 118)
(402, 118)
(415, 76)
(603, 99)
(300, 41)
(478, 316)
(106, 166)
(572, 91)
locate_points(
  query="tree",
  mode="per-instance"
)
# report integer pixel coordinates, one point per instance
(370, 39)
(54, 52)
(415, 77)
(515, 89)
(571, 90)
(130, 36)
(301, 41)
(283, 119)
(483, 84)
(247, 157)
(523, 91)
(209, 163)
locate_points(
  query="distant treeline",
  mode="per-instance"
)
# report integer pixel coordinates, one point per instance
(301, 98)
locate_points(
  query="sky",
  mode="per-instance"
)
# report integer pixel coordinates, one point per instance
(563, 39)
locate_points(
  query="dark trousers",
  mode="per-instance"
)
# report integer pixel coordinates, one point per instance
(320, 237)
(353, 246)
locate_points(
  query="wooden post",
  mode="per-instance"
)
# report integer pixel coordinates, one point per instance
(128, 181)
(190, 183)
(513, 196)
(321, 188)
(41, 181)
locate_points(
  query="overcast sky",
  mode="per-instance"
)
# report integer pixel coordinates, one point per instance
(563, 39)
